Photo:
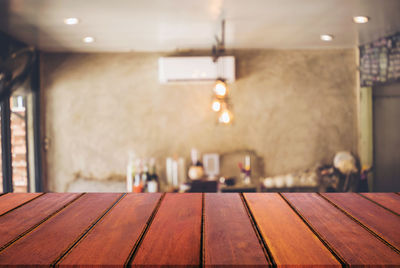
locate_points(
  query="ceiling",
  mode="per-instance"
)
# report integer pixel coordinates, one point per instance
(169, 25)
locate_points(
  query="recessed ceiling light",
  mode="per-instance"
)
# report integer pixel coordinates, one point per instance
(88, 39)
(326, 37)
(360, 19)
(71, 21)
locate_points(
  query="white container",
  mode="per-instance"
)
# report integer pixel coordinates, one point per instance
(152, 187)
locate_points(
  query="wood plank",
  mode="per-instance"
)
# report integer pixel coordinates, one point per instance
(376, 218)
(11, 201)
(229, 237)
(112, 240)
(289, 239)
(174, 237)
(22, 219)
(354, 244)
(51, 239)
(388, 200)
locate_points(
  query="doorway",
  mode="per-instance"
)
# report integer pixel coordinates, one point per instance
(386, 137)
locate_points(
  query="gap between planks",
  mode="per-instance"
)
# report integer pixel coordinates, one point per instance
(85, 232)
(336, 254)
(29, 230)
(138, 242)
(264, 246)
(202, 232)
(360, 224)
(8, 211)
(376, 203)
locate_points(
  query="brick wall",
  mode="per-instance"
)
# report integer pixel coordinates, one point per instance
(18, 147)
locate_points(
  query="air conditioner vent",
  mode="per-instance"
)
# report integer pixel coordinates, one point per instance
(191, 69)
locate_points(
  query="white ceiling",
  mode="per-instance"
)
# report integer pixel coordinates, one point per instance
(167, 25)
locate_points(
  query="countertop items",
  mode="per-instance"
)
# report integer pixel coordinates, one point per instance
(200, 229)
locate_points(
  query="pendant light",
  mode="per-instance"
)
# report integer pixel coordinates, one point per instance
(220, 89)
(216, 105)
(220, 101)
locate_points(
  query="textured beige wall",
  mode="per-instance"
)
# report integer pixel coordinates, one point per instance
(293, 108)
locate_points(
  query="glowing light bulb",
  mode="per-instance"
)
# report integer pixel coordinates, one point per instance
(216, 106)
(220, 89)
(225, 117)
(71, 21)
(88, 39)
(326, 37)
(360, 19)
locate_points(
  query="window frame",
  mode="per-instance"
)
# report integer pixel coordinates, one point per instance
(6, 155)
(34, 184)
(36, 117)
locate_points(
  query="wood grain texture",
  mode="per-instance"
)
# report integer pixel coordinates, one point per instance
(174, 235)
(229, 237)
(112, 239)
(48, 241)
(388, 200)
(353, 243)
(376, 218)
(289, 239)
(20, 220)
(11, 201)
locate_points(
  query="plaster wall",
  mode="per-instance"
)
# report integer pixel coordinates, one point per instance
(294, 108)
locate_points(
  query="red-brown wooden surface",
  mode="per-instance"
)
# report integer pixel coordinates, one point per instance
(290, 240)
(174, 235)
(229, 237)
(376, 218)
(113, 238)
(194, 230)
(11, 201)
(20, 220)
(353, 243)
(46, 243)
(387, 200)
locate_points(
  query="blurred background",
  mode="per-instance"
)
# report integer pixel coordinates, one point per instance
(200, 96)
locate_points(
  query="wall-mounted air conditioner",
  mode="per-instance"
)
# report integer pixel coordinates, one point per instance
(185, 69)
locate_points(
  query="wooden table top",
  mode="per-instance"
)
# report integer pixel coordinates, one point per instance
(193, 230)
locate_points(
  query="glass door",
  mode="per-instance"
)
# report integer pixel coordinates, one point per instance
(18, 171)
(20, 165)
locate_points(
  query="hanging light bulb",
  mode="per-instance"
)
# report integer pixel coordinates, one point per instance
(225, 117)
(216, 105)
(220, 89)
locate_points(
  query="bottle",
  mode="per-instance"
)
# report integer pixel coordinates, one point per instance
(137, 185)
(145, 176)
(129, 177)
(130, 172)
(152, 182)
(247, 170)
